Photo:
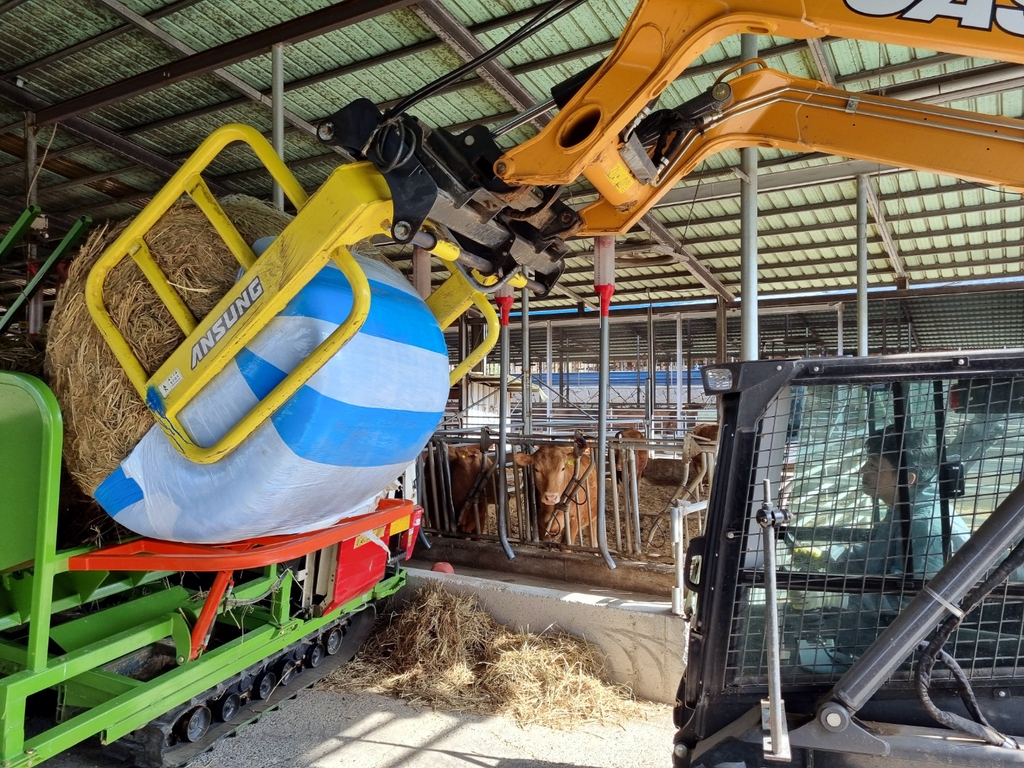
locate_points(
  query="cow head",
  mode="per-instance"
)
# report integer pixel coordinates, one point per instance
(553, 470)
(468, 454)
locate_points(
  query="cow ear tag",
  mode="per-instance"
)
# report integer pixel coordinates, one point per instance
(570, 462)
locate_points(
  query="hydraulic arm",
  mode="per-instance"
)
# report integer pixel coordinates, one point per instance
(664, 36)
(503, 206)
(773, 109)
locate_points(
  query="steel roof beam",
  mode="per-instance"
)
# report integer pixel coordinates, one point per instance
(878, 214)
(355, 67)
(94, 133)
(817, 50)
(592, 50)
(10, 5)
(296, 30)
(685, 257)
(237, 83)
(979, 81)
(834, 225)
(825, 264)
(895, 69)
(828, 205)
(457, 37)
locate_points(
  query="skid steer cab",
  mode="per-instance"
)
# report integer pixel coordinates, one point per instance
(859, 590)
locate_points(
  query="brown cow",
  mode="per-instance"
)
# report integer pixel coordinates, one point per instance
(465, 463)
(553, 469)
(641, 454)
(704, 435)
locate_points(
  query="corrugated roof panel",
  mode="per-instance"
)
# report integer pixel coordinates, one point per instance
(37, 28)
(89, 156)
(345, 47)
(208, 24)
(183, 137)
(852, 57)
(99, 65)
(595, 22)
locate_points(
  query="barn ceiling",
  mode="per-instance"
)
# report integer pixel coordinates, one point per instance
(118, 92)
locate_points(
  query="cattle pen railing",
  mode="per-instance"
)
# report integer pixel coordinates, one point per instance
(637, 510)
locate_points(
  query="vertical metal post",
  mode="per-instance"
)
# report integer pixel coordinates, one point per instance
(652, 370)
(679, 372)
(839, 330)
(721, 333)
(634, 507)
(638, 380)
(504, 299)
(769, 518)
(563, 370)
(676, 527)
(463, 352)
(277, 111)
(862, 265)
(548, 373)
(615, 506)
(604, 284)
(35, 304)
(689, 363)
(748, 228)
(527, 380)
(421, 271)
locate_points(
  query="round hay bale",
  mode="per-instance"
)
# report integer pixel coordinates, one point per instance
(104, 417)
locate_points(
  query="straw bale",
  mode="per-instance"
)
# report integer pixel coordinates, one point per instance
(104, 417)
(444, 651)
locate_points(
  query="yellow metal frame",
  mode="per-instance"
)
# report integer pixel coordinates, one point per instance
(352, 205)
(449, 301)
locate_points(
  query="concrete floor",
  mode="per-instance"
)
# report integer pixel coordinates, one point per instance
(328, 730)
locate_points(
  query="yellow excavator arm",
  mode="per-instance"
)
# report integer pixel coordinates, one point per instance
(505, 207)
(663, 37)
(773, 109)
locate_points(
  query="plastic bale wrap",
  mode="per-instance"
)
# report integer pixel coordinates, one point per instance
(327, 453)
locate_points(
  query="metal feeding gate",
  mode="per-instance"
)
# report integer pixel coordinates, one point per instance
(460, 493)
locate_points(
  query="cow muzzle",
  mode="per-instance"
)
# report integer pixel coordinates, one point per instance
(551, 498)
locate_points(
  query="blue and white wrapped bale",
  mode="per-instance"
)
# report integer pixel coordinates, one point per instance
(327, 454)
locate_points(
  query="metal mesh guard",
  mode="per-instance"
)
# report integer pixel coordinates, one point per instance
(866, 535)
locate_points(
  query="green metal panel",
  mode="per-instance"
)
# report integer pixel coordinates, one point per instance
(91, 689)
(30, 444)
(16, 232)
(70, 240)
(73, 635)
(134, 708)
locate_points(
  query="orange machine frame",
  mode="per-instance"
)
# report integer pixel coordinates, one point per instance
(663, 37)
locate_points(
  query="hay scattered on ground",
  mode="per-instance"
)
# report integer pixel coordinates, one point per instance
(22, 353)
(445, 652)
(104, 417)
